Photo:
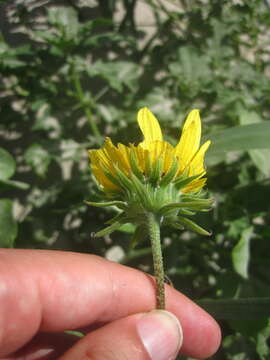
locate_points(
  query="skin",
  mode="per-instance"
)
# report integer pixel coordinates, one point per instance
(43, 293)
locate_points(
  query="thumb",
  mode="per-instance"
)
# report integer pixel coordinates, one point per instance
(156, 335)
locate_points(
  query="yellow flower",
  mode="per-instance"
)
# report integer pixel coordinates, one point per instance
(153, 177)
(153, 184)
(153, 160)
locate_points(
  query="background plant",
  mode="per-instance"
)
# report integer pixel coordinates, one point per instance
(72, 74)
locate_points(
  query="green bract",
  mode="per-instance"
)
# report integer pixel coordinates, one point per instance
(153, 177)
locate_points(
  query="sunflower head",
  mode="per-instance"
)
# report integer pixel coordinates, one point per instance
(154, 176)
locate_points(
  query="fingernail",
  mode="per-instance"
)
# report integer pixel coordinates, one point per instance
(161, 334)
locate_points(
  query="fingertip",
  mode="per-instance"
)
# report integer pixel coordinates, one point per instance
(202, 334)
(212, 338)
(202, 337)
(161, 334)
(156, 335)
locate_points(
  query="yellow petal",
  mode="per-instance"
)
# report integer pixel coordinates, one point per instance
(161, 150)
(94, 157)
(100, 156)
(124, 154)
(194, 186)
(142, 155)
(190, 139)
(149, 126)
(197, 163)
(116, 156)
(103, 180)
(168, 157)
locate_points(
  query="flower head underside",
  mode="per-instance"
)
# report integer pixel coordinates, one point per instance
(152, 160)
(153, 176)
(153, 183)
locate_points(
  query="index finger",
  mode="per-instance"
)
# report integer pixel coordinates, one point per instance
(55, 291)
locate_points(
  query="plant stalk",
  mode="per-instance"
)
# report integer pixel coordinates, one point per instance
(153, 226)
(86, 107)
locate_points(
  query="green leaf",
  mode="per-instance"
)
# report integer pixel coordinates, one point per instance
(134, 165)
(246, 137)
(184, 181)
(120, 204)
(260, 157)
(262, 346)
(156, 171)
(122, 178)
(193, 205)
(39, 158)
(109, 229)
(117, 218)
(7, 165)
(8, 226)
(170, 174)
(141, 191)
(193, 226)
(15, 184)
(175, 225)
(116, 73)
(127, 228)
(237, 309)
(160, 102)
(66, 19)
(139, 234)
(241, 253)
(192, 68)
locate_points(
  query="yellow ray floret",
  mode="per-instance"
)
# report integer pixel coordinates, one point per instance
(188, 156)
(190, 139)
(149, 126)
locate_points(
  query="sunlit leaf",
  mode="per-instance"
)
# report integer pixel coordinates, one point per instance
(246, 137)
(8, 226)
(241, 253)
(39, 158)
(7, 165)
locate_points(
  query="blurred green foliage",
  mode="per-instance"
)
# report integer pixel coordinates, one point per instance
(73, 74)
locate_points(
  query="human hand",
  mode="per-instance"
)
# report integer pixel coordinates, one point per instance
(44, 293)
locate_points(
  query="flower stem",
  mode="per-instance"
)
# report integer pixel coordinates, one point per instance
(154, 233)
(86, 107)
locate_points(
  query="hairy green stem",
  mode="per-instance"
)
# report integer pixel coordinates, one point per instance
(154, 233)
